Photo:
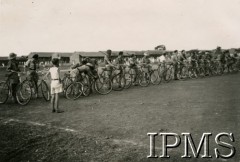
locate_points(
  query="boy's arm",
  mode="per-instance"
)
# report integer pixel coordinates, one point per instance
(59, 74)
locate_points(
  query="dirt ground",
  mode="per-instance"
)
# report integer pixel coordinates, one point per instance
(114, 127)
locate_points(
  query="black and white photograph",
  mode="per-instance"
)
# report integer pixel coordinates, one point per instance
(120, 81)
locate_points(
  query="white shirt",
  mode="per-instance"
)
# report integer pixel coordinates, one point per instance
(54, 73)
(162, 58)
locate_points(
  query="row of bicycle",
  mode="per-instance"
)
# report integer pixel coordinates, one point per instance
(108, 80)
(123, 78)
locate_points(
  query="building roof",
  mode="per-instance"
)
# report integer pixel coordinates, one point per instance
(49, 54)
(18, 58)
(89, 54)
(3, 58)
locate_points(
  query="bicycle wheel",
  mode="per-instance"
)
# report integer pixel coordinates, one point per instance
(86, 89)
(118, 82)
(201, 72)
(128, 80)
(103, 85)
(24, 93)
(32, 86)
(155, 77)
(184, 73)
(74, 91)
(4, 92)
(133, 76)
(45, 90)
(66, 82)
(169, 74)
(144, 79)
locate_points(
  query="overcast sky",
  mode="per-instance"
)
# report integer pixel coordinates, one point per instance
(92, 25)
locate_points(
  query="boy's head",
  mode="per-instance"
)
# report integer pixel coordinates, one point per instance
(55, 62)
(120, 53)
(12, 56)
(109, 52)
(35, 56)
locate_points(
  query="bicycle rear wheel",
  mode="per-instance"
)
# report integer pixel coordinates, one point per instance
(103, 85)
(4, 92)
(155, 77)
(118, 82)
(169, 74)
(86, 89)
(66, 82)
(184, 73)
(128, 80)
(24, 93)
(45, 90)
(74, 91)
(144, 79)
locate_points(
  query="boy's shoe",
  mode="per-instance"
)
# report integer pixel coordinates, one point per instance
(53, 110)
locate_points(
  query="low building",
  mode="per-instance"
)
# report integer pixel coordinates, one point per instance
(4, 60)
(46, 57)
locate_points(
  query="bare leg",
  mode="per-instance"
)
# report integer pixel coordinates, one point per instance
(57, 101)
(53, 102)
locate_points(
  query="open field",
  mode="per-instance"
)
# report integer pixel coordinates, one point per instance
(114, 127)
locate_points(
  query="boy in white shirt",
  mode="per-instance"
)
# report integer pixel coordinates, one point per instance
(56, 86)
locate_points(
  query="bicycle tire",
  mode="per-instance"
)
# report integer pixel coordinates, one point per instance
(118, 82)
(128, 80)
(66, 82)
(45, 90)
(144, 79)
(169, 74)
(24, 93)
(4, 92)
(86, 89)
(184, 73)
(155, 77)
(103, 85)
(74, 91)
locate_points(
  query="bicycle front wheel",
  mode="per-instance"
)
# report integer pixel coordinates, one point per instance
(45, 90)
(118, 82)
(74, 91)
(4, 92)
(103, 85)
(24, 93)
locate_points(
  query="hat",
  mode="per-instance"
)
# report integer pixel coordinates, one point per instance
(35, 56)
(12, 56)
(120, 53)
(132, 55)
(109, 51)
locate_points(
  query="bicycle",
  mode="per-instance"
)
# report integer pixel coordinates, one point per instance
(41, 86)
(23, 92)
(166, 71)
(155, 77)
(139, 75)
(74, 89)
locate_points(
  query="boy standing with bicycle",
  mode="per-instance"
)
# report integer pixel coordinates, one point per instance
(13, 68)
(56, 86)
(32, 65)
